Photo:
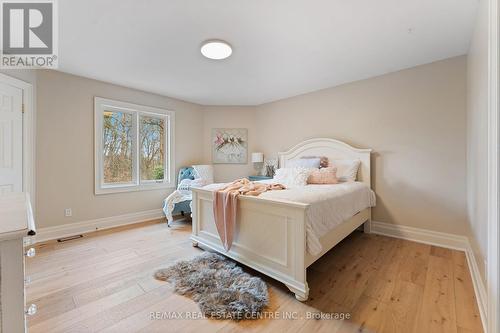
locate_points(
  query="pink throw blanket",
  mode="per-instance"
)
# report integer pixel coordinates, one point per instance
(225, 205)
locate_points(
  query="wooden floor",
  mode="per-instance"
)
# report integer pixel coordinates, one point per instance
(103, 283)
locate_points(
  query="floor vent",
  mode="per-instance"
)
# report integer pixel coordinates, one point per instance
(65, 239)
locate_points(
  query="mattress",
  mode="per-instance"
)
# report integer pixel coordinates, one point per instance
(329, 206)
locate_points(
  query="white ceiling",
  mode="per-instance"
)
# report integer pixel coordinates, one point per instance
(281, 48)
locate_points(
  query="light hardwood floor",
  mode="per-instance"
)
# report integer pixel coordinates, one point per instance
(103, 282)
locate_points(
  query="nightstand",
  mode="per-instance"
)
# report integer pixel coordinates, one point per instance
(255, 178)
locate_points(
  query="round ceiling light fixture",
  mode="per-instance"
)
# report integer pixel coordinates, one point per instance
(216, 49)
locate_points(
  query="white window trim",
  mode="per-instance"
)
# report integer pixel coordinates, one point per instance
(169, 182)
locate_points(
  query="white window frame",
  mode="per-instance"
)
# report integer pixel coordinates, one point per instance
(103, 104)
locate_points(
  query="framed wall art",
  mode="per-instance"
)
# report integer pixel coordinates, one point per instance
(229, 145)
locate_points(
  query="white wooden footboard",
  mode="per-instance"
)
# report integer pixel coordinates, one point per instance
(269, 237)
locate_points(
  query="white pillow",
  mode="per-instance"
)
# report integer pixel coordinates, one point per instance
(293, 177)
(205, 173)
(304, 163)
(347, 170)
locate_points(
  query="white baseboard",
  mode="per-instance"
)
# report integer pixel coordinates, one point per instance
(441, 239)
(479, 287)
(425, 236)
(78, 228)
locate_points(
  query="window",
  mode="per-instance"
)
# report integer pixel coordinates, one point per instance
(133, 147)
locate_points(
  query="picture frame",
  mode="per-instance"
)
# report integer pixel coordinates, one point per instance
(229, 145)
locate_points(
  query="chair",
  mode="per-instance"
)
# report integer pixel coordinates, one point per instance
(184, 207)
(179, 201)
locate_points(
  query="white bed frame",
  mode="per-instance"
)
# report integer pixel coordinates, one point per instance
(270, 235)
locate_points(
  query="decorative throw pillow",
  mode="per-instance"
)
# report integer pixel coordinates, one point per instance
(292, 177)
(323, 160)
(186, 185)
(323, 176)
(347, 170)
(304, 163)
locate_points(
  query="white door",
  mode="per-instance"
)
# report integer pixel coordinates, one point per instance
(11, 138)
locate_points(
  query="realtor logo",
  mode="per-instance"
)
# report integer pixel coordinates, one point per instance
(29, 34)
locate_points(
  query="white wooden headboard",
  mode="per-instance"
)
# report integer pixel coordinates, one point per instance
(334, 150)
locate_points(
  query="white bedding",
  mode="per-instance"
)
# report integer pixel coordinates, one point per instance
(329, 206)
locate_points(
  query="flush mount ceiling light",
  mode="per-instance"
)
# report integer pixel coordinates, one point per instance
(216, 49)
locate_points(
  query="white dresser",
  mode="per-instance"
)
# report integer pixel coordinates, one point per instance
(16, 226)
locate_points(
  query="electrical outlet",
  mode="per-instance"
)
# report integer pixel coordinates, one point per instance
(68, 212)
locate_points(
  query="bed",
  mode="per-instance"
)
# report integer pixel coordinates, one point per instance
(272, 232)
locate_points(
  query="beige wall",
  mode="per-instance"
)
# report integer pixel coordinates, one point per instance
(229, 117)
(477, 137)
(65, 148)
(414, 120)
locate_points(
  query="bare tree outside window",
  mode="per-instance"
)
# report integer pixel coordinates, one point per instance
(132, 147)
(117, 136)
(152, 147)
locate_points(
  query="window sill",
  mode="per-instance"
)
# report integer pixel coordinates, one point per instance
(132, 188)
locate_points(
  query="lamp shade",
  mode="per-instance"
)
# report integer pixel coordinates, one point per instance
(257, 157)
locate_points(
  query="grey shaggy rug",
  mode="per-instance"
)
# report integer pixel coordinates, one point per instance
(221, 288)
